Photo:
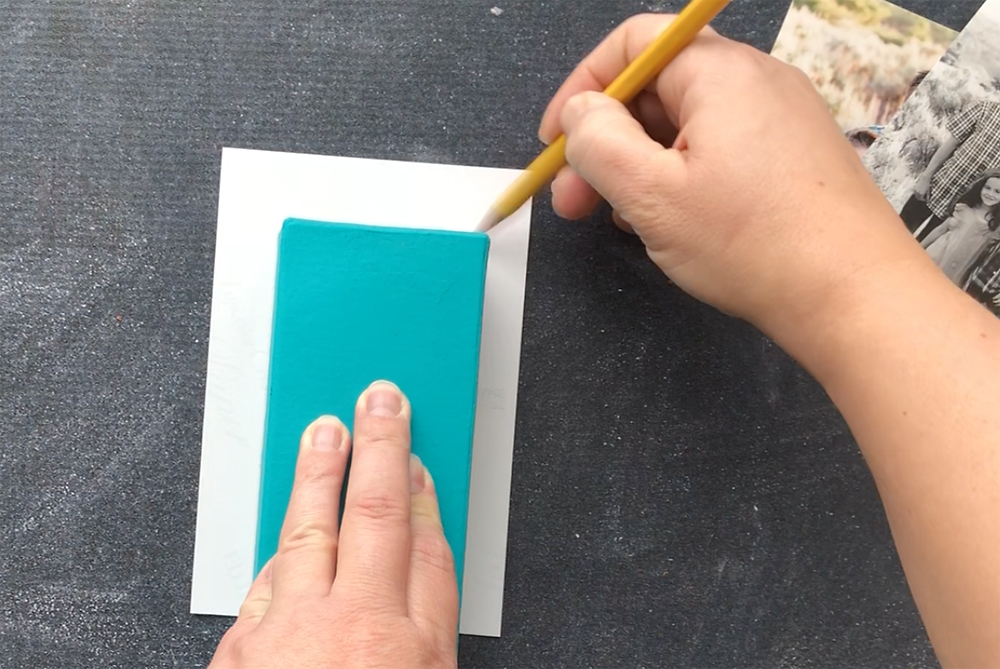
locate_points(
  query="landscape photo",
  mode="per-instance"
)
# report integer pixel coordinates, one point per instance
(861, 55)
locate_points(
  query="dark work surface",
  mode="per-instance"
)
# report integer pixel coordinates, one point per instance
(684, 494)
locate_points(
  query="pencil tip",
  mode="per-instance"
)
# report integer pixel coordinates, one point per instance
(489, 220)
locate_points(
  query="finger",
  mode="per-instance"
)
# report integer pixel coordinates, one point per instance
(611, 151)
(255, 605)
(600, 67)
(572, 197)
(305, 562)
(604, 63)
(375, 534)
(258, 599)
(622, 223)
(649, 110)
(710, 64)
(432, 589)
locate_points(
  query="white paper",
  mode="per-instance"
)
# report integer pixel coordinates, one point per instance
(258, 191)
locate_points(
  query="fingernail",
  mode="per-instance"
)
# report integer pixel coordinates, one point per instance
(265, 573)
(576, 107)
(327, 437)
(383, 399)
(418, 478)
(571, 110)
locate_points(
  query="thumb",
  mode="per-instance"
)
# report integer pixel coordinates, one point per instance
(610, 149)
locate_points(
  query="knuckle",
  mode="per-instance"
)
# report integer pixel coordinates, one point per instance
(642, 195)
(223, 658)
(742, 62)
(433, 551)
(381, 432)
(246, 649)
(321, 470)
(381, 508)
(307, 535)
(796, 75)
(384, 645)
(719, 54)
(646, 20)
(439, 656)
(239, 649)
(366, 602)
(253, 608)
(640, 205)
(384, 433)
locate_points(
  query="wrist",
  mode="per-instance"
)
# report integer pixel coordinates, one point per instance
(868, 312)
(861, 296)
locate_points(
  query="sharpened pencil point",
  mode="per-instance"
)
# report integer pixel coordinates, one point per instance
(489, 221)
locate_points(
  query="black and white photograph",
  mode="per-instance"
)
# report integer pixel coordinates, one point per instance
(938, 160)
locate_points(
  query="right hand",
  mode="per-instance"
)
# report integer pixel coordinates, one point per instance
(735, 176)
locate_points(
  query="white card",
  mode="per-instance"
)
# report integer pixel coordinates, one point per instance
(258, 191)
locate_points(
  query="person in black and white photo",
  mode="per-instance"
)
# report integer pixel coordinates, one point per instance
(972, 148)
(984, 281)
(972, 226)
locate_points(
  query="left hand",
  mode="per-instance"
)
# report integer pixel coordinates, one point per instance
(380, 591)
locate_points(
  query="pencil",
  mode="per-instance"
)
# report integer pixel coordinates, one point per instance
(681, 32)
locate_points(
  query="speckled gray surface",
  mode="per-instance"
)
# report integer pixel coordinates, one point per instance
(684, 495)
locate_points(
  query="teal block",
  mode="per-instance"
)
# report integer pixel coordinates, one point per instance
(354, 304)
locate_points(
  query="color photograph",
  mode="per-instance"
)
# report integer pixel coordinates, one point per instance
(863, 56)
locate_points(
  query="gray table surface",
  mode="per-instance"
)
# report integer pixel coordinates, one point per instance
(684, 494)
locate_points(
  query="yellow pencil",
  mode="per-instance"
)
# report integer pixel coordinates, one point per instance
(681, 32)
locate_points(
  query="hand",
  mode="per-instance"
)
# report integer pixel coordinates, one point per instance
(382, 591)
(922, 187)
(731, 170)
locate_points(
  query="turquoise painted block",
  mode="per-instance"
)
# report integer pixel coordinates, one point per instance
(354, 304)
